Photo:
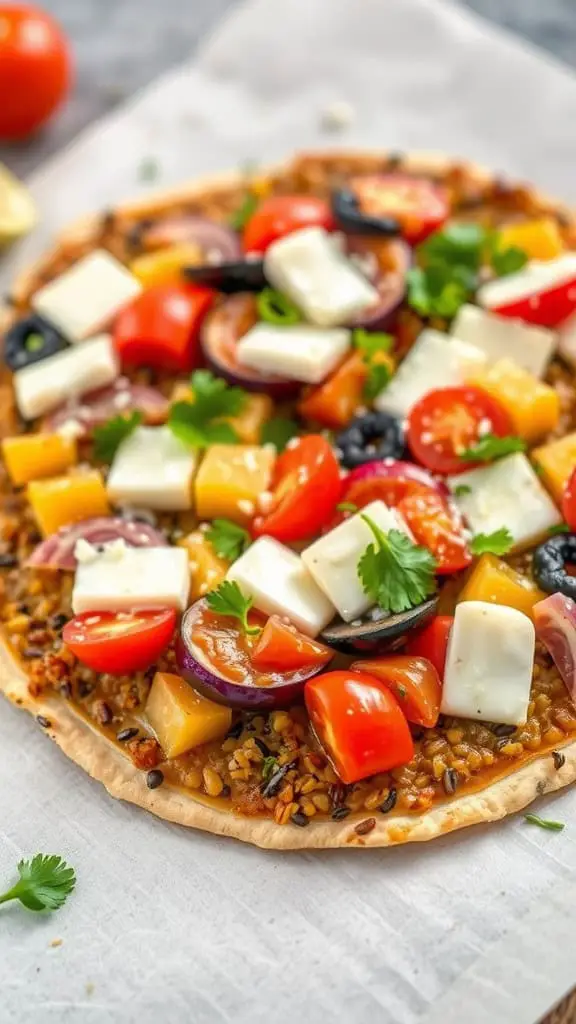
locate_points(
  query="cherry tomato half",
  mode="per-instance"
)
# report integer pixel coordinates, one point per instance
(446, 421)
(118, 644)
(281, 215)
(35, 69)
(306, 488)
(437, 526)
(419, 205)
(161, 326)
(282, 647)
(431, 642)
(387, 480)
(359, 723)
(413, 681)
(569, 502)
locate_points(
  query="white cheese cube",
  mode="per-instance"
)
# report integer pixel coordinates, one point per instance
(489, 664)
(303, 353)
(500, 337)
(435, 360)
(85, 298)
(333, 559)
(507, 493)
(43, 386)
(308, 267)
(123, 580)
(279, 584)
(536, 277)
(153, 469)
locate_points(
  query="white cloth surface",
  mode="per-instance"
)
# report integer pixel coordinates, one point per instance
(175, 926)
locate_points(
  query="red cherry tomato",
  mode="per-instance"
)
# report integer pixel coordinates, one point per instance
(281, 215)
(306, 490)
(387, 480)
(437, 526)
(35, 69)
(569, 502)
(541, 293)
(359, 723)
(160, 327)
(413, 681)
(118, 644)
(282, 647)
(446, 421)
(418, 204)
(431, 642)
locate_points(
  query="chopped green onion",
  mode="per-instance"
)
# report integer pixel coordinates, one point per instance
(275, 308)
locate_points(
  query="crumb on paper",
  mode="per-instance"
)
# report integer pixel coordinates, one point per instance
(337, 116)
(90, 988)
(55, 943)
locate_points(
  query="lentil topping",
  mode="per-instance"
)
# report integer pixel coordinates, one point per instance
(270, 762)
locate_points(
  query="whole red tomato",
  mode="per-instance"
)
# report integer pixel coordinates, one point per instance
(35, 69)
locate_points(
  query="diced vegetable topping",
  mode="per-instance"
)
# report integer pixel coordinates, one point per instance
(181, 718)
(555, 619)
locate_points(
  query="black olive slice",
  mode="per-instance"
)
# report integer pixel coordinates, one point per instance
(374, 435)
(370, 636)
(349, 216)
(550, 561)
(230, 277)
(29, 341)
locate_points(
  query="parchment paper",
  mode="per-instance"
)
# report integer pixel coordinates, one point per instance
(174, 926)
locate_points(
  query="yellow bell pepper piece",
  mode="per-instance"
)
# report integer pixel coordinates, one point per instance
(165, 265)
(182, 718)
(533, 407)
(230, 480)
(539, 238)
(556, 461)
(207, 569)
(32, 456)
(62, 500)
(492, 580)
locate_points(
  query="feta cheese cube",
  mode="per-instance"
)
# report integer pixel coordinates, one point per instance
(507, 493)
(279, 584)
(43, 386)
(333, 559)
(132, 578)
(153, 469)
(308, 267)
(84, 298)
(489, 664)
(435, 360)
(500, 337)
(303, 353)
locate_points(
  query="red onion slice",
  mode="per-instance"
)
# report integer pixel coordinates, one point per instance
(57, 551)
(219, 336)
(218, 243)
(97, 407)
(555, 621)
(386, 264)
(389, 480)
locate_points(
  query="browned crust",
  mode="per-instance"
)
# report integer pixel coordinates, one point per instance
(108, 764)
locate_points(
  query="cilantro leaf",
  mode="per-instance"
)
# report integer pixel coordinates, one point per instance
(460, 490)
(458, 244)
(242, 215)
(278, 431)
(507, 261)
(378, 377)
(552, 826)
(497, 543)
(228, 539)
(45, 883)
(229, 600)
(436, 291)
(109, 436)
(276, 308)
(491, 447)
(346, 506)
(269, 766)
(558, 528)
(395, 573)
(369, 343)
(212, 400)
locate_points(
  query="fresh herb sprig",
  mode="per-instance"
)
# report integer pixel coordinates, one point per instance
(551, 826)
(275, 308)
(228, 539)
(372, 345)
(229, 600)
(279, 431)
(490, 447)
(45, 883)
(395, 573)
(199, 422)
(109, 436)
(500, 542)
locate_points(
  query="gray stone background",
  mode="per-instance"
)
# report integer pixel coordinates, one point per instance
(121, 45)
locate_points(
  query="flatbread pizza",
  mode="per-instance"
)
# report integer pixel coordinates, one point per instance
(288, 495)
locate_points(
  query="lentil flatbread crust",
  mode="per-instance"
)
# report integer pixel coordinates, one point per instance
(104, 760)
